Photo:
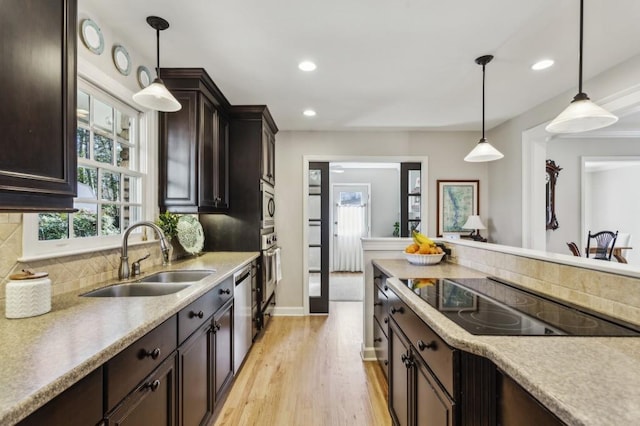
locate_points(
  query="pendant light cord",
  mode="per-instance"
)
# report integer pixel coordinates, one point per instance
(158, 52)
(483, 78)
(581, 42)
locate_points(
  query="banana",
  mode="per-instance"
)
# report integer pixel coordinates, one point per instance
(420, 238)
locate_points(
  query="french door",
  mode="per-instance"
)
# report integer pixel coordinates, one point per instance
(318, 237)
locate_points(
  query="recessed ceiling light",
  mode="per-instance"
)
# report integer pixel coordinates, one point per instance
(307, 66)
(309, 113)
(542, 65)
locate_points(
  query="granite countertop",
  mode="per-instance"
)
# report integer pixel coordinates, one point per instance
(583, 380)
(42, 356)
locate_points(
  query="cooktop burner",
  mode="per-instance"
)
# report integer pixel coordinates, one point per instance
(488, 306)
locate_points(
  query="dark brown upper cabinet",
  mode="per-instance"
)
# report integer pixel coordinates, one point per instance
(194, 145)
(254, 130)
(38, 114)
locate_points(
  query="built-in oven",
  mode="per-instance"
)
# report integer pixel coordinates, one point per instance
(271, 274)
(268, 216)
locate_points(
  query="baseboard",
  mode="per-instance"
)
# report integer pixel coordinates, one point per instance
(368, 354)
(288, 311)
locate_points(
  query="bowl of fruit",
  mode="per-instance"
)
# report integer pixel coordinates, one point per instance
(423, 251)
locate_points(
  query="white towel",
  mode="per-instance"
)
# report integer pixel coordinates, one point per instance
(278, 265)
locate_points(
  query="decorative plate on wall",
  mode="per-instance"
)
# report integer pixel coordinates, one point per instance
(144, 76)
(121, 59)
(92, 36)
(190, 234)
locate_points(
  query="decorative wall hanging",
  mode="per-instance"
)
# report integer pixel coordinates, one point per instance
(551, 177)
(121, 59)
(457, 200)
(91, 36)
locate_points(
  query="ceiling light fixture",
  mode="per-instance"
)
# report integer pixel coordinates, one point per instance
(542, 65)
(307, 66)
(483, 151)
(156, 96)
(581, 115)
(309, 113)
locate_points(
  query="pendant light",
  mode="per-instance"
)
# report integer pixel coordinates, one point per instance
(484, 151)
(581, 115)
(156, 96)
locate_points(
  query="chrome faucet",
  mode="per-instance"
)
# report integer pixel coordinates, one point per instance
(123, 272)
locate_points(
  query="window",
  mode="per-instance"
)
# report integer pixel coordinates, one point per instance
(111, 182)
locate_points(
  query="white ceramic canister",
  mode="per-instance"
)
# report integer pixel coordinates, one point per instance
(28, 294)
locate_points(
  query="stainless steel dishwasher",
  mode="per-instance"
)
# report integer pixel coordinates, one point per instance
(242, 337)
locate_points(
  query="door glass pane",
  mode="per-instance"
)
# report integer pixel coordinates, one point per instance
(414, 182)
(414, 207)
(314, 234)
(351, 198)
(314, 284)
(314, 207)
(314, 258)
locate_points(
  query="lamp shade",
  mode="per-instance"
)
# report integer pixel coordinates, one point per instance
(581, 115)
(157, 97)
(473, 222)
(483, 151)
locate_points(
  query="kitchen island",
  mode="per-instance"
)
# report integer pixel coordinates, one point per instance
(45, 355)
(581, 380)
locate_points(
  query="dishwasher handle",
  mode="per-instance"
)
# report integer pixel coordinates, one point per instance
(241, 275)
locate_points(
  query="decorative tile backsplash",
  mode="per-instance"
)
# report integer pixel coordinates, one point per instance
(68, 273)
(611, 294)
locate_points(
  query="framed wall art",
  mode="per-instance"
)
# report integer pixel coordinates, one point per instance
(457, 200)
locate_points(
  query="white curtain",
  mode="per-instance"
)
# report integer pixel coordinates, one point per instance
(347, 251)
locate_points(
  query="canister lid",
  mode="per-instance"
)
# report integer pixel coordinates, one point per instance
(27, 274)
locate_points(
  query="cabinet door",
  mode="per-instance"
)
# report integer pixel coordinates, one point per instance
(208, 167)
(398, 376)
(38, 114)
(195, 366)
(223, 347)
(178, 155)
(431, 405)
(381, 347)
(84, 400)
(268, 156)
(153, 402)
(222, 162)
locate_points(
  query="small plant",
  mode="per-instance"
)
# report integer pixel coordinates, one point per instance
(168, 222)
(396, 229)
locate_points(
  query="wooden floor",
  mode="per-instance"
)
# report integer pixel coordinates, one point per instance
(308, 371)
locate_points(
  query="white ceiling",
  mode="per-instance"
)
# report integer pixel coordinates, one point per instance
(382, 64)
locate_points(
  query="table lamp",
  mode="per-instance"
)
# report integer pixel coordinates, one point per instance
(474, 222)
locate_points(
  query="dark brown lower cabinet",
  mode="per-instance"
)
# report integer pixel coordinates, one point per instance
(153, 402)
(415, 396)
(84, 400)
(223, 351)
(516, 407)
(195, 367)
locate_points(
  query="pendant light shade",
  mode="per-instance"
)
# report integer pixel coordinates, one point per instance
(156, 96)
(581, 115)
(483, 151)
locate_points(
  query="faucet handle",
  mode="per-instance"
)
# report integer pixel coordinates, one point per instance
(136, 265)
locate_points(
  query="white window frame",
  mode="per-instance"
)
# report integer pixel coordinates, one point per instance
(34, 249)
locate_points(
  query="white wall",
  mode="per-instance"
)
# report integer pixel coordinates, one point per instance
(385, 196)
(505, 202)
(567, 154)
(615, 205)
(445, 150)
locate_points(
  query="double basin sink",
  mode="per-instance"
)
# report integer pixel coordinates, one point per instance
(158, 284)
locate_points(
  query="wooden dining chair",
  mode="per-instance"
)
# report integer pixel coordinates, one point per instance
(574, 249)
(605, 241)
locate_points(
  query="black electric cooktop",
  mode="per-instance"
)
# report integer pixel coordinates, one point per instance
(488, 306)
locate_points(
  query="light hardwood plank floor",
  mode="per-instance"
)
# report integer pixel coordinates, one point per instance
(308, 371)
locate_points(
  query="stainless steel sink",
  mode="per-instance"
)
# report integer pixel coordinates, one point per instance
(137, 290)
(158, 284)
(178, 276)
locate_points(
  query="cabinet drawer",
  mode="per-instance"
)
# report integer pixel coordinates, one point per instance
(222, 293)
(381, 308)
(194, 315)
(431, 348)
(133, 364)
